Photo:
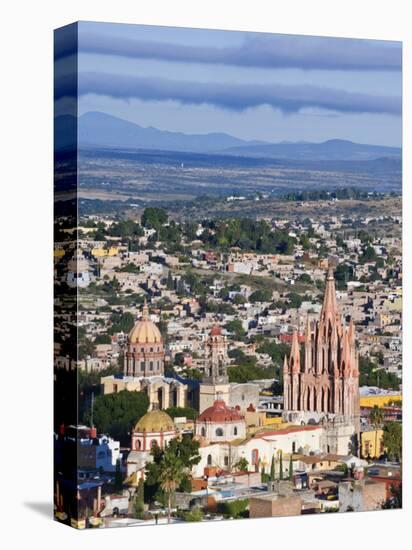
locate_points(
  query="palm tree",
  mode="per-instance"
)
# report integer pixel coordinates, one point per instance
(170, 476)
(376, 419)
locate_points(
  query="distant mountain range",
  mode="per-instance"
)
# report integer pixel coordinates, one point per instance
(99, 130)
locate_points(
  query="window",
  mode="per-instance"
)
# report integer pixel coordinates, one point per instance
(142, 365)
(219, 432)
(255, 457)
(235, 430)
(226, 461)
(294, 447)
(203, 432)
(151, 365)
(209, 460)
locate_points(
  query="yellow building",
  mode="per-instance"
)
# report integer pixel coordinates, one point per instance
(380, 400)
(101, 252)
(371, 443)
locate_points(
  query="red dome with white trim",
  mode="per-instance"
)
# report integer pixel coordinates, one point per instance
(216, 330)
(219, 412)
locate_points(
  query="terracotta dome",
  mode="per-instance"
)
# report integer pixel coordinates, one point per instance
(155, 421)
(216, 331)
(219, 412)
(145, 331)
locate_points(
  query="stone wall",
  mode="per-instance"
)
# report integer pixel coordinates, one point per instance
(275, 506)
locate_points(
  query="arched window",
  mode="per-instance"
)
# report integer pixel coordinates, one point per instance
(219, 432)
(203, 432)
(138, 445)
(209, 460)
(255, 457)
(153, 443)
(235, 430)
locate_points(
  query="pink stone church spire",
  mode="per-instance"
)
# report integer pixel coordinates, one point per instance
(295, 353)
(330, 308)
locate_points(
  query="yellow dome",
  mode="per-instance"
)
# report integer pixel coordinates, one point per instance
(145, 331)
(155, 421)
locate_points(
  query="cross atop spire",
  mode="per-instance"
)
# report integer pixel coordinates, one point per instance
(145, 312)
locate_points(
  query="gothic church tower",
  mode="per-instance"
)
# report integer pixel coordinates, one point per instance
(325, 385)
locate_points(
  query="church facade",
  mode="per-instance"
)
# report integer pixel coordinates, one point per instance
(215, 381)
(144, 355)
(321, 384)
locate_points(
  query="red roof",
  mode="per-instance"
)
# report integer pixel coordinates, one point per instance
(219, 412)
(287, 338)
(285, 431)
(216, 331)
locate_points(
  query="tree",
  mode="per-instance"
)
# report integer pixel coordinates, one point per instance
(261, 295)
(239, 299)
(195, 514)
(369, 255)
(86, 348)
(179, 359)
(272, 469)
(234, 508)
(395, 499)
(371, 375)
(102, 339)
(186, 452)
(294, 300)
(291, 466)
(305, 278)
(154, 217)
(170, 477)
(376, 419)
(118, 478)
(281, 465)
(117, 413)
(236, 328)
(241, 465)
(392, 440)
(121, 322)
(138, 501)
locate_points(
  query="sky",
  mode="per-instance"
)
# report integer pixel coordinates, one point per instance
(268, 87)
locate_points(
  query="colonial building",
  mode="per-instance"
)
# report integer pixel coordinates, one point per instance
(220, 423)
(78, 275)
(215, 381)
(156, 427)
(145, 353)
(144, 368)
(165, 392)
(323, 383)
